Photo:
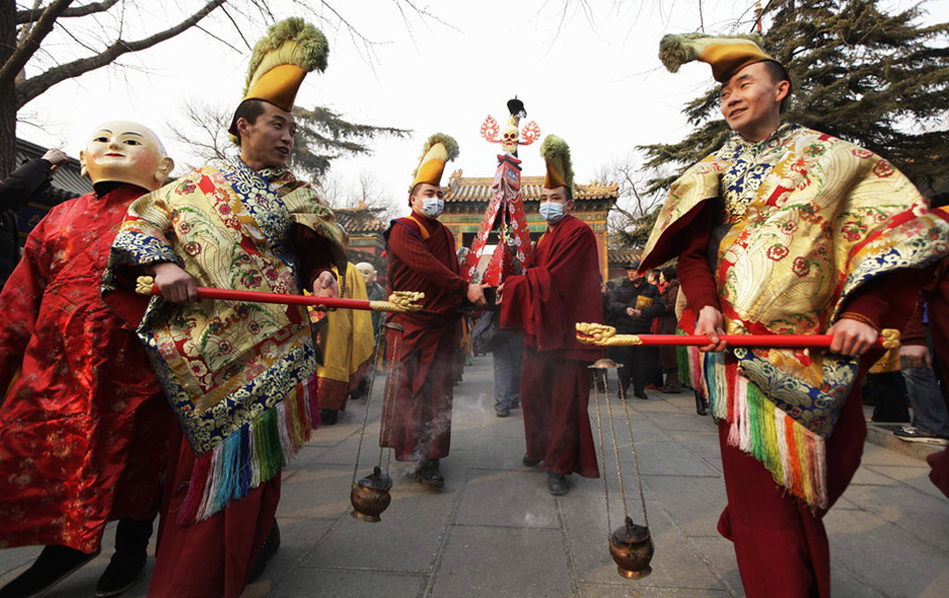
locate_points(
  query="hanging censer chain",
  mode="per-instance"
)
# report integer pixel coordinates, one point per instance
(619, 469)
(365, 416)
(599, 428)
(639, 478)
(631, 546)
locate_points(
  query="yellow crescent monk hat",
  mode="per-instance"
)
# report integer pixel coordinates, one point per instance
(438, 150)
(281, 59)
(726, 55)
(556, 153)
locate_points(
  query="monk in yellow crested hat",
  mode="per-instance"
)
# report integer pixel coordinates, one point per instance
(416, 422)
(291, 49)
(556, 200)
(438, 150)
(426, 188)
(726, 55)
(556, 154)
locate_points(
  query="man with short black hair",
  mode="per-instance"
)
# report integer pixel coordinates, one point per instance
(787, 230)
(234, 371)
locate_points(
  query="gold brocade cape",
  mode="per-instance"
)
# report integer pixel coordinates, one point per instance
(804, 220)
(233, 372)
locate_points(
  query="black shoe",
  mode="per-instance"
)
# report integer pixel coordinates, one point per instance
(503, 413)
(919, 434)
(54, 564)
(131, 552)
(556, 484)
(269, 548)
(428, 473)
(641, 394)
(530, 462)
(700, 406)
(329, 417)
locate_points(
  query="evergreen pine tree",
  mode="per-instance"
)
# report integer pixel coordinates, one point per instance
(323, 135)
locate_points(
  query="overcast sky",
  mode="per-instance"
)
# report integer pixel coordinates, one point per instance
(593, 79)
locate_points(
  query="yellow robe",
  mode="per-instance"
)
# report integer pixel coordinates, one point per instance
(347, 342)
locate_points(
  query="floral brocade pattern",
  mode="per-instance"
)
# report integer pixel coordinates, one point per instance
(222, 363)
(74, 452)
(805, 219)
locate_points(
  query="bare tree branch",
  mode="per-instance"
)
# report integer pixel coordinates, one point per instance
(31, 44)
(35, 86)
(29, 16)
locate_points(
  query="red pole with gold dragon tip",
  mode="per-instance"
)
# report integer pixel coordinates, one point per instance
(399, 301)
(506, 208)
(605, 336)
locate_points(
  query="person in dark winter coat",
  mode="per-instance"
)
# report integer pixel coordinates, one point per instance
(27, 181)
(632, 306)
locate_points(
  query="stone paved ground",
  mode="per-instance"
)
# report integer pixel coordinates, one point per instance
(495, 531)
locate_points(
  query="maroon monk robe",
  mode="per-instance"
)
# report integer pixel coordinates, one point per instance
(936, 295)
(212, 558)
(416, 415)
(560, 287)
(761, 515)
(84, 427)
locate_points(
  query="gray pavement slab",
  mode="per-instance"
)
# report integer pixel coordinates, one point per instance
(886, 557)
(495, 531)
(503, 561)
(494, 498)
(333, 583)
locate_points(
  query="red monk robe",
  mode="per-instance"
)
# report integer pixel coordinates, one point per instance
(416, 418)
(760, 514)
(936, 296)
(560, 287)
(84, 428)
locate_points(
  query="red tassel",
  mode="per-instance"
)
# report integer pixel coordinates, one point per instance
(199, 480)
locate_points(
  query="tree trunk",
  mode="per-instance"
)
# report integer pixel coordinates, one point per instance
(8, 103)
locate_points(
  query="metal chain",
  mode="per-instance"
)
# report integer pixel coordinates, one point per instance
(365, 417)
(599, 428)
(639, 479)
(393, 379)
(619, 469)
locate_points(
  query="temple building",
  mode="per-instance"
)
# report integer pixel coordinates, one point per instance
(365, 229)
(466, 200)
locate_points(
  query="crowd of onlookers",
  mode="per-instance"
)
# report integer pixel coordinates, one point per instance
(644, 304)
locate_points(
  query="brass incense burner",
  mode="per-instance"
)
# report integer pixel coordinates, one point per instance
(370, 496)
(630, 545)
(632, 549)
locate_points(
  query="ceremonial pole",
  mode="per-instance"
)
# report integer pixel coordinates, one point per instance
(399, 301)
(605, 336)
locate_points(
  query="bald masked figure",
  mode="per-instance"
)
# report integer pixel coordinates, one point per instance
(83, 428)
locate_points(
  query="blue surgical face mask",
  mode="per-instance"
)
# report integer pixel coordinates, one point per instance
(551, 211)
(433, 206)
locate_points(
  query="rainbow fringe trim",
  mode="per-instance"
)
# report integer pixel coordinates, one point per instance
(794, 455)
(247, 458)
